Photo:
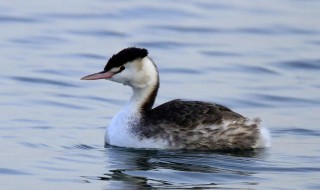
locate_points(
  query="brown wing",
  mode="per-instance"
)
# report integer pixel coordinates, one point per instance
(190, 114)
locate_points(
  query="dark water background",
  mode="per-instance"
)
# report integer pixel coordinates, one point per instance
(261, 58)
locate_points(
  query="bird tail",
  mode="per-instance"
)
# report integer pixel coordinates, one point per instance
(246, 134)
(264, 139)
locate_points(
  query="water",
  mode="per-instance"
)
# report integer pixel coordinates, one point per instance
(259, 58)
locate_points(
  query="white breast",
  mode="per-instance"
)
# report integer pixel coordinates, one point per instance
(119, 132)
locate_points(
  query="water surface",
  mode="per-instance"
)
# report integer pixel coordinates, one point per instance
(259, 58)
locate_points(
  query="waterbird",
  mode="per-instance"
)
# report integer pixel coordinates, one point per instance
(177, 124)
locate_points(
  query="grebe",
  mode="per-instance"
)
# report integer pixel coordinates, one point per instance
(177, 124)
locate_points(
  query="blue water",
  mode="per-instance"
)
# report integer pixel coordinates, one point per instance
(259, 58)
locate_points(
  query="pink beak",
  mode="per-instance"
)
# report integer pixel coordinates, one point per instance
(100, 75)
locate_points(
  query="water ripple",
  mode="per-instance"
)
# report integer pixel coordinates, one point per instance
(39, 40)
(16, 19)
(50, 71)
(77, 16)
(84, 147)
(162, 44)
(96, 98)
(276, 30)
(221, 54)
(258, 70)
(244, 68)
(300, 64)
(31, 121)
(157, 12)
(281, 100)
(59, 104)
(182, 168)
(297, 131)
(84, 56)
(193, 29)
(33, 145)
(217, 6)
(6, 171)
(271, 30)
(43, 81)
(180, 70)
(102, 33)
(64, 180)
(42, 127)
(245, 103)
(53, 168)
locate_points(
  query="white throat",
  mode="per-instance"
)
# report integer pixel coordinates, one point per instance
(140, 95)
(144, 85)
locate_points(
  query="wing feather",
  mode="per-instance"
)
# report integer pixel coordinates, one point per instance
(191, 113)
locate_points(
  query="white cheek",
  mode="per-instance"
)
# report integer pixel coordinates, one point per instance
(123, 77)
(142, 80)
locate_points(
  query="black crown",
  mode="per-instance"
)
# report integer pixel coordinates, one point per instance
(124, 56)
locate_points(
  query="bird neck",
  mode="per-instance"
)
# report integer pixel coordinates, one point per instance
(145, 95)
(143, 98)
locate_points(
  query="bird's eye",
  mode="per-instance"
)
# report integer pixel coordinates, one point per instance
(122, 68)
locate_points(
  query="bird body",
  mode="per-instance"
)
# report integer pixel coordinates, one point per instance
(176, 124)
